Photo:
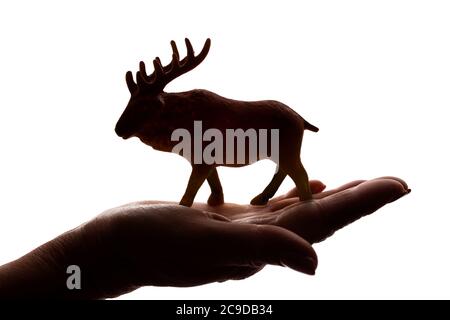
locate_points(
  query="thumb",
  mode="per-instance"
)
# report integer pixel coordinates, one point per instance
(257, 245)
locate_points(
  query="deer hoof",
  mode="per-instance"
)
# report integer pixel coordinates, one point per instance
(259, 200)
(215, 199)
(186, 202)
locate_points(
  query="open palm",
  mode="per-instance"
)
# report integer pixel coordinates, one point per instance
(319, 218)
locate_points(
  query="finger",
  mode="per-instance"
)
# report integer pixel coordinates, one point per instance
(257, 245)
(355, 183)
(346, 186)
(316, 186)
(316, 220)
(285, 203)
(240, 273)
(403, 182)
(202, 276)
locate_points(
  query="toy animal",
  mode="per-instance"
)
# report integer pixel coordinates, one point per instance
(153, 116)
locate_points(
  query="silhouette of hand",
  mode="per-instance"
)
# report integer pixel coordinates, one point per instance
(164, 244)
(152, 244)
(216, 243)
(172, 245)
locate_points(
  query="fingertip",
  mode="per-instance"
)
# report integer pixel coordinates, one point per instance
(370, 194)
(283, 247)
(317, 186)
(300, 263)
(393, 187)
(401, 181)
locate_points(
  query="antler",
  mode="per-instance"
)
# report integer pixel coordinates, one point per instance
(163, 75)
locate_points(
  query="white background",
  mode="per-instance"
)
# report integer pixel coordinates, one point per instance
(373, 75)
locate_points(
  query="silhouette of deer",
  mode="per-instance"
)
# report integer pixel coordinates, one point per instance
(152, 115)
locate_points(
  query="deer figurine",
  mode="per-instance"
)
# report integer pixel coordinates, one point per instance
(152, 115)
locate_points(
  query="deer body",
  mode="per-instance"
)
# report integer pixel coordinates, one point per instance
(152, 115)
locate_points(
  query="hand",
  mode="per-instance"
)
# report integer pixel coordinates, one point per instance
(172, 245)
(241, 239)
(163, 244)
(152, 244)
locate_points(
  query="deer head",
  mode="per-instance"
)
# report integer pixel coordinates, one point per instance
(146, 101)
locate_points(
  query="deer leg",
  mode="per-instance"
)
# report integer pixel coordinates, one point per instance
(216, 197)
(270, 190)
(198, 176)
(298, 173)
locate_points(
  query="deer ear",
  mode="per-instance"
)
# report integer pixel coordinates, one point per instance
(132, 86)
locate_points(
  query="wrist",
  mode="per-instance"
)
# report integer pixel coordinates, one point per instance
(34, 275)
(43, 273)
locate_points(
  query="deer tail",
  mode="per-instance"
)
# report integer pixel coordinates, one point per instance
(309, 126)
